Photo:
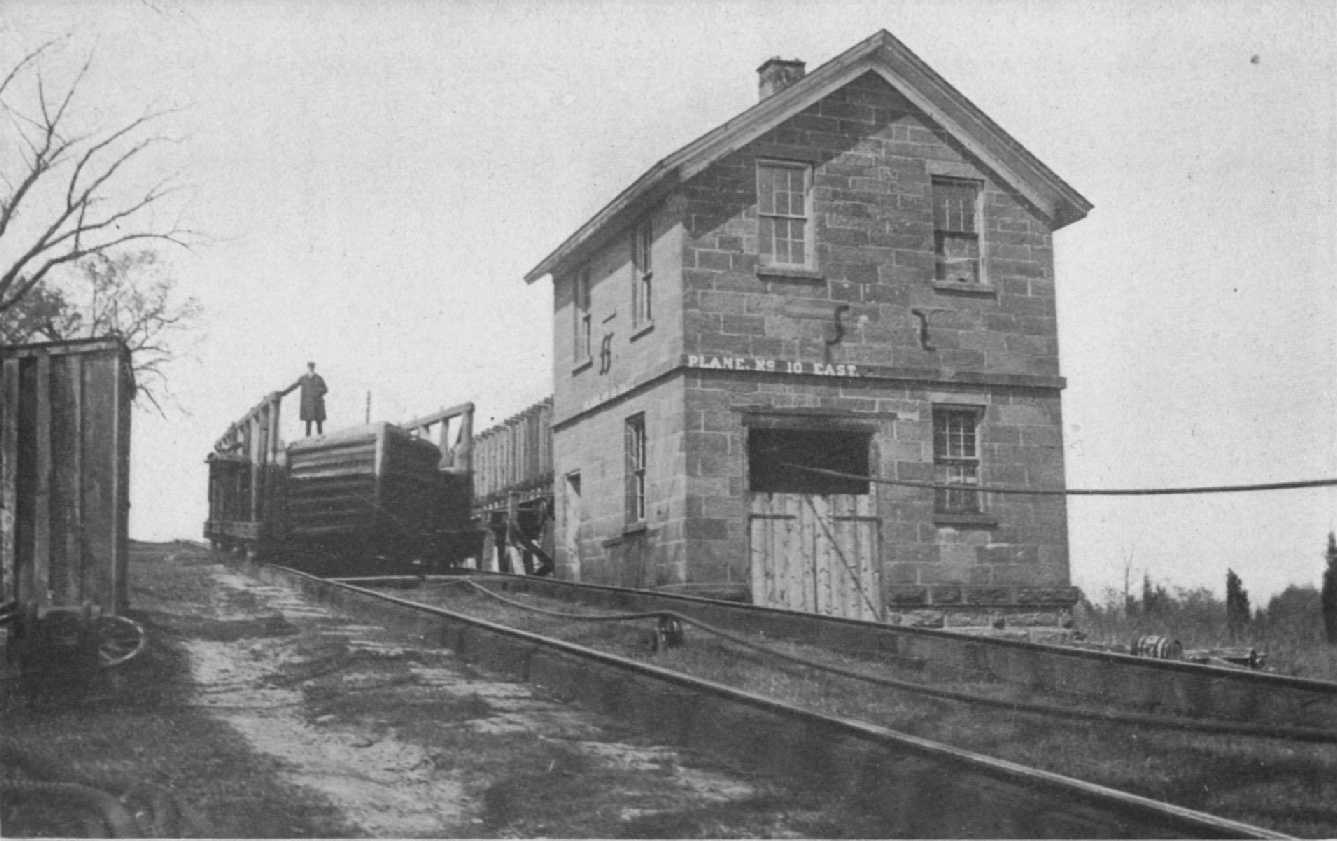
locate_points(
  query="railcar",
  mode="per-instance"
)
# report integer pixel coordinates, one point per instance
(377, 497)
(513, 492)
(386, 497)
(64, 503)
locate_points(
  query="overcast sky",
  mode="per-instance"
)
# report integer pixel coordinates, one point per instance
(375, 177)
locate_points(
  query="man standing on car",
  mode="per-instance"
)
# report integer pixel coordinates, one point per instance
(313, 399)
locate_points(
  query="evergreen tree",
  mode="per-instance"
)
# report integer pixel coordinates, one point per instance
(1330, 591)
(1237, 605)
(1155, 598)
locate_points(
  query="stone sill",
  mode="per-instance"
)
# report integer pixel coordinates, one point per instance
(978, 521)
(581, 366)
(641, 331)
(790, 273)
(630, 531)
(982, 290)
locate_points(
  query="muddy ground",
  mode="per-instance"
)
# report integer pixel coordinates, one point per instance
(255, 713)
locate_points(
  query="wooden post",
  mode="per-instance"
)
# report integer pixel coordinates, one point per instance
(275, 440)
(42, 431)
(77, 556)
(273, 444)
(122, 392)
(9, 480)
(253, 453)
(465, 449)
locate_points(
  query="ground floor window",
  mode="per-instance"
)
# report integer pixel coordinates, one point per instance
(793, 461)
(635, 473)
(956, 459)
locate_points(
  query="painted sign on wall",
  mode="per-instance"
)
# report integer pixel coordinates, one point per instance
(772, 366)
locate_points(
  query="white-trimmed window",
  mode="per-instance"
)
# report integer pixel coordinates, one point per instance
(635, 471)
(784, 214)
(580, 306)
(642, 277)
(956, 231)
(956, 459)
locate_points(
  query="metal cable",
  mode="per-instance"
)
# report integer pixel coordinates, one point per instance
(1301, 734)
(116, 818)
(108, 661)
(585, 617)
(1013, 489)
(49, 776)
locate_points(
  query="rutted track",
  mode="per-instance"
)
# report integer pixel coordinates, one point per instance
(921, 787)
(1134, 683)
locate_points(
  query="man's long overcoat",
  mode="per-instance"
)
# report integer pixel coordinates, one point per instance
(313, 398)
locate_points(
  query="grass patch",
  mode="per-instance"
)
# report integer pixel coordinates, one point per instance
(135, 725)
(1288, 631)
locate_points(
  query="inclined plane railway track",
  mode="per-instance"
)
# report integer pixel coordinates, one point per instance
(874, 668)
(1180, 693)
(920, 786)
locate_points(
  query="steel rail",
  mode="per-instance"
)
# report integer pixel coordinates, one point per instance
(1166, 686)
(889, 766)
(1053, 710)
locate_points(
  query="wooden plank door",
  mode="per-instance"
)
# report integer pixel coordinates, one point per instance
(816, 553)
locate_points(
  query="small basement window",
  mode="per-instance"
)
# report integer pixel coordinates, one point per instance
(786, 461)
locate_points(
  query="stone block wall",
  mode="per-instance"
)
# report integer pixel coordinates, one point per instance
(636, 353)
(1006, 557)
(873, 157)
(607, 550)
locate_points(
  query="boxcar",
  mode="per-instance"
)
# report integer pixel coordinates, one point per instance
(64, 498)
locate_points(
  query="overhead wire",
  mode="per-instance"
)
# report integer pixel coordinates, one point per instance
(1015, 489)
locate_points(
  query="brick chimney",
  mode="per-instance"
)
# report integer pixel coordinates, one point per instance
(776, 74)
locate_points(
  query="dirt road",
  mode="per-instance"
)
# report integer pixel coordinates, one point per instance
(267, 715)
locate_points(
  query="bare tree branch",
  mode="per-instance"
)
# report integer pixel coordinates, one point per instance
(92, 214)
(37, 277)
(25, 61)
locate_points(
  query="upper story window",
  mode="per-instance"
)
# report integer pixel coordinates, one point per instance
(635, 471)
(642, 277)
(581, 308)
(956, 227)
(956, 459)
(784, 214)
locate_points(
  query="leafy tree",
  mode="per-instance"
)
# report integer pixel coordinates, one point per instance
(1330, 591)
(128, 296)
(35, 317)
(1237, 605)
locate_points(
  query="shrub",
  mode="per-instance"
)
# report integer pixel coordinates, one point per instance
(1330, 591)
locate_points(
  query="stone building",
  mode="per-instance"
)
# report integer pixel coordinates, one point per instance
(852, 278)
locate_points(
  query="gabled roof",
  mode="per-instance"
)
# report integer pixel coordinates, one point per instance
(883, 54)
